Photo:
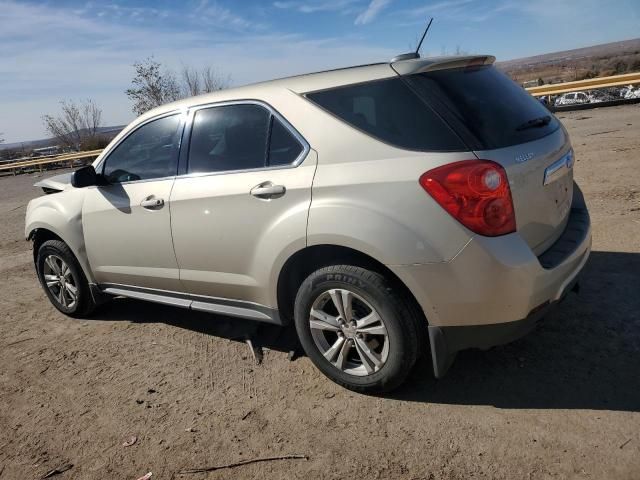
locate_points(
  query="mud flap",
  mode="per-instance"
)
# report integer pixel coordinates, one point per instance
(441, 357)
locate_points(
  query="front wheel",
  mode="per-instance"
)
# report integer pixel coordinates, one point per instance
(63, 279)
(356, 328)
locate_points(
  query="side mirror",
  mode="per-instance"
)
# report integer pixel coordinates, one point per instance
(85, 177)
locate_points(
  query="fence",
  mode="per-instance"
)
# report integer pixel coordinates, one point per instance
(39, 162)
(589, 84)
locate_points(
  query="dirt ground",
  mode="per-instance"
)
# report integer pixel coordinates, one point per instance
(564, 402)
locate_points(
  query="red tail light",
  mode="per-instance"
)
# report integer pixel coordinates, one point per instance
(474, 192)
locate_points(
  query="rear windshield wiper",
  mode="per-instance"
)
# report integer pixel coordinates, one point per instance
(535, 123)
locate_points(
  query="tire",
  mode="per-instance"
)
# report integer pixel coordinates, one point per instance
(364, 356)
(51, 259)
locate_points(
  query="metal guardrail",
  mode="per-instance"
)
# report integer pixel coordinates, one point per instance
(589, 84)
(40, 161)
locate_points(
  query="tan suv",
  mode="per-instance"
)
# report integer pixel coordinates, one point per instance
(384, 209)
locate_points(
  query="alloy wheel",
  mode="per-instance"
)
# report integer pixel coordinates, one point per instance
(349, 332)
(60, 281)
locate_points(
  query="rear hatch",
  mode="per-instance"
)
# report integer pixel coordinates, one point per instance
(500, 121)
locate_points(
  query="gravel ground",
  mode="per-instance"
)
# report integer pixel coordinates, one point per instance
(564, 402)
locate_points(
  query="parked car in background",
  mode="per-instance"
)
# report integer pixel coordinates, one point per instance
(386, 210)
(631, 93)
(572, 98)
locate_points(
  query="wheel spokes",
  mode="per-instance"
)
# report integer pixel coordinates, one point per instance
(334, 351)
(336, 298)
(61, 298)
(369, 358)
(349, 332)
(50, 261)
(344, 354)
(323, 321)
(59, 281)
(371, 325)
(370, 319)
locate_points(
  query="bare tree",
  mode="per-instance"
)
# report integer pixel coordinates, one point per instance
(212, 80)
(206, 80)
(152, 86)
(190, 82)
(77, 123)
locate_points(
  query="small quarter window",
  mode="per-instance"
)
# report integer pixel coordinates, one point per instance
(284, 148)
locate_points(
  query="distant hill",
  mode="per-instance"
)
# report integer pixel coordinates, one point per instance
(589, 62)
(108, 132)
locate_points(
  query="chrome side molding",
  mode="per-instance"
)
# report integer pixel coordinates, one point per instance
(221, 306)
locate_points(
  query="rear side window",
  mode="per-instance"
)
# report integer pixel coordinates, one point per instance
(487, 104)
(391, 112)
(151, 151)
(239, 137)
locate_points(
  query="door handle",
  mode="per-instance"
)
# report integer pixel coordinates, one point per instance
(152, 203)
(268, 190)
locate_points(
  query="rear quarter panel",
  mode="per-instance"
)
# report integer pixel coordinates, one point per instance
(366, 196)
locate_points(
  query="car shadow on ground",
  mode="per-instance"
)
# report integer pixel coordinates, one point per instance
(261, 334)
(584, 355)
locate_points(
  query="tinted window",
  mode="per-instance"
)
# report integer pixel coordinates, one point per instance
(390, 111)
(149, 152)
(494, 109)
(232, 137)
(284, 148)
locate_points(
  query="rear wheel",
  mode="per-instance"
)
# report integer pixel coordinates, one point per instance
(356, 328)
(62, 278)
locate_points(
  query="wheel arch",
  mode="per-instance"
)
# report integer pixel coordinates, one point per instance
(39, 234)
(311, 258)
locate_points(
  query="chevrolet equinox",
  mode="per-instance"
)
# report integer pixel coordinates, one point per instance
(384, 209)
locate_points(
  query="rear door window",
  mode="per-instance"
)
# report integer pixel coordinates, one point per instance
(486, 104)
(232, 137)
(240, 137)
(391, 112)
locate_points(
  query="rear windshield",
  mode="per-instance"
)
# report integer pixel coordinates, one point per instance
(391, 112)
(485, 104)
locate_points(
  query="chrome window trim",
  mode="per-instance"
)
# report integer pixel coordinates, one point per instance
(182, 125)
(306, 148)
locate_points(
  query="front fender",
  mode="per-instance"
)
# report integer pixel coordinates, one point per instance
(61, 213)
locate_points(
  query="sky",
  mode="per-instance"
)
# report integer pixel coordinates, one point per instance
(65, 49)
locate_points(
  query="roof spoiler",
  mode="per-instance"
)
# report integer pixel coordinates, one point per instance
(421, 65)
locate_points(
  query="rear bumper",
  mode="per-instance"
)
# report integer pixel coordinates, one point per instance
(496, 289)
(446, 342)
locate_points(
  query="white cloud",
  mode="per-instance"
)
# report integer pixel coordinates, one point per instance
(313, 7)
(442, 7)
(51, 53)
(372, 11)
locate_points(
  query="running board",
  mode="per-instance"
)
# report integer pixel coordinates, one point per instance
(221, 306)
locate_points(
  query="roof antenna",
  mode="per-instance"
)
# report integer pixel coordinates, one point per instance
(423, 37)
(416, 54)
